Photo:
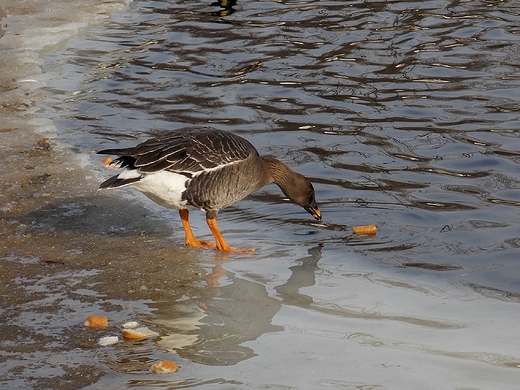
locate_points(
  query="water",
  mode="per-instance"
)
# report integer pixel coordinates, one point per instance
(404, 114)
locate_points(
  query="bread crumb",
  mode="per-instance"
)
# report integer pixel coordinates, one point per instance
(165, 367)
(108, 340)
(96, 322)
(139, 333)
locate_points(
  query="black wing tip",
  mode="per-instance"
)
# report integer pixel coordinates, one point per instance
(115, 182)
(117, 152)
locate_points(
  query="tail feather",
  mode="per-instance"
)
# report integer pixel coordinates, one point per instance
(123, 162)
(117, 152)
(128, 175)
(115, 182)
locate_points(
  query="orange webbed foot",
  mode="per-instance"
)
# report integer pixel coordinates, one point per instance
(201, 244)
(190, 238)
(221, 243)
(207, 245)
(229, 249)
(226, 249)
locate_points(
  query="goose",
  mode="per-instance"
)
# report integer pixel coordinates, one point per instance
(206, 169)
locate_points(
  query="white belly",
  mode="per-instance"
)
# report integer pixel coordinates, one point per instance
(164, 188)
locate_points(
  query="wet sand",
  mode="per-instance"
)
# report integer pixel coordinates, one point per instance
(64, 249)
(65, 255)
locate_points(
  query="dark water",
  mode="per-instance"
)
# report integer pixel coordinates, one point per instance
(404, 114)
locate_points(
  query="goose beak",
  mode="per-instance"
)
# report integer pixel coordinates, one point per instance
(314, 212)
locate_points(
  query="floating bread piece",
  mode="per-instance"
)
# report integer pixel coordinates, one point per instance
(165, 367)
(106, 161)
(367, 229)
(96, 322)
(139, 333)
(108, 340)
(131, 325)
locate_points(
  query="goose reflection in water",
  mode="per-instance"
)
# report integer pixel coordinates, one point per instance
(213, 326)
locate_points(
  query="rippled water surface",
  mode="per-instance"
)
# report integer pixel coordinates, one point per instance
(405, 114)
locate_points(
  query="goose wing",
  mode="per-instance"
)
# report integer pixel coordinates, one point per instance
(185, 151)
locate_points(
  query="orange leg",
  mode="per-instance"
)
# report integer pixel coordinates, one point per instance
(221, 243)
(190, 238)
